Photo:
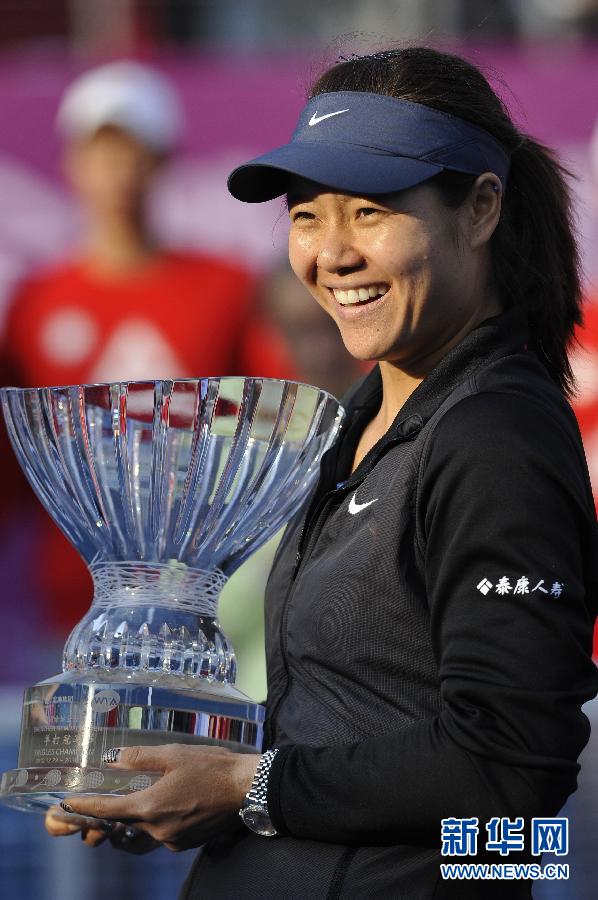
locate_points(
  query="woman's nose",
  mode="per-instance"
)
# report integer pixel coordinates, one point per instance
(338, 251)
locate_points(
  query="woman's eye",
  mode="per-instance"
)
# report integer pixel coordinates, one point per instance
(367, 211)
(301, 214)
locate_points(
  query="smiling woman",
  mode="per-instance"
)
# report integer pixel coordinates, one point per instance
(405, 277)
(429, 615)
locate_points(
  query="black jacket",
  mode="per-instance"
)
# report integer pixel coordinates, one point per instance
(428, 635)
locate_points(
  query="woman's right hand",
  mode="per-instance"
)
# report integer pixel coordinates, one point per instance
(95, 831)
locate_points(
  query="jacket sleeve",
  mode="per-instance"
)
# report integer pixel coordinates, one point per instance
(507, 540)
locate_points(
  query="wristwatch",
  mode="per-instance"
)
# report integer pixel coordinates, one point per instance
(254, 811)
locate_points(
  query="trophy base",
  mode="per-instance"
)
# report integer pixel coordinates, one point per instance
(71, 720)
(31, 789)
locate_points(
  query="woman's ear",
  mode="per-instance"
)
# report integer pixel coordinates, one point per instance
(485, 206)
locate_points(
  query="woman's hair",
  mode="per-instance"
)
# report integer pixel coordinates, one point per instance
(534, 253)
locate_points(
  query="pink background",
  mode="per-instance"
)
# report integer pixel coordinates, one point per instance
(237, 106)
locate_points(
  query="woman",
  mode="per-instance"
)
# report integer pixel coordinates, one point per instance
(429, 618)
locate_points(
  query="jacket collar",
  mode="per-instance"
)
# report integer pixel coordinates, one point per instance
(492, 339)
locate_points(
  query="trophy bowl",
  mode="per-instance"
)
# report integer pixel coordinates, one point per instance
(165, 488)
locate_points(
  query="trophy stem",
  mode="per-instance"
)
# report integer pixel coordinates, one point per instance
(172, 584)
(153, 618)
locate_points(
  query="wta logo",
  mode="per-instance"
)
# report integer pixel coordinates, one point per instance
(105, 701)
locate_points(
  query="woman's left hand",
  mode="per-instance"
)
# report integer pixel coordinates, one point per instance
(198, 796)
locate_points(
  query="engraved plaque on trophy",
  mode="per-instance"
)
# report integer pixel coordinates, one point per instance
(165, 488)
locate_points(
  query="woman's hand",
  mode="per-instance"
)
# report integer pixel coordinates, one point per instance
(198, 796)
(94, 832)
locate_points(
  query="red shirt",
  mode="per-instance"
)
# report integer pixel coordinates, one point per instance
(182, 315)
(585, 367)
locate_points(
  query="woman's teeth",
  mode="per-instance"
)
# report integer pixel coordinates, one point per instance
(359, 295)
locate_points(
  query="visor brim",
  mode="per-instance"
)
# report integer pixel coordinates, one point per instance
(356, 170)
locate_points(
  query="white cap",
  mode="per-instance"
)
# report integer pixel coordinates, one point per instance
(128, 95)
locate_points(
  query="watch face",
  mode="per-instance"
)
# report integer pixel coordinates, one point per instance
(257, 819)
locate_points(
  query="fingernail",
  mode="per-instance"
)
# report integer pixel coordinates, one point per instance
(111, 755)
(128, 835)
(66, 807)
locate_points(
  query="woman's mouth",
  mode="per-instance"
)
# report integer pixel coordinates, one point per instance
(353, 304)
(358, 296)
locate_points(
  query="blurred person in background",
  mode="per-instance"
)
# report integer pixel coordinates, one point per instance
(586, 370)
(311, 337)
(585, 357)
(123, 308)
(586, 403)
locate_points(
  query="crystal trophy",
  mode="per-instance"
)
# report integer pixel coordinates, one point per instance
(165, 488)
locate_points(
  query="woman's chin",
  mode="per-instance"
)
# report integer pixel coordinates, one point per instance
(364, 351)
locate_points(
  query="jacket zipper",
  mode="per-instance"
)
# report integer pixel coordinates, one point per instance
(312, 517)
(313, 513)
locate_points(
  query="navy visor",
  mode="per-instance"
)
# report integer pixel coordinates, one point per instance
(366, 143)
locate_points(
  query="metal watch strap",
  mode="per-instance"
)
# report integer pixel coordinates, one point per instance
(258, 791)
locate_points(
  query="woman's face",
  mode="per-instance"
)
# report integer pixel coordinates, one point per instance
(402, 275)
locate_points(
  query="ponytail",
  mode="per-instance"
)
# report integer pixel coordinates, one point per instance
(535, 256)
